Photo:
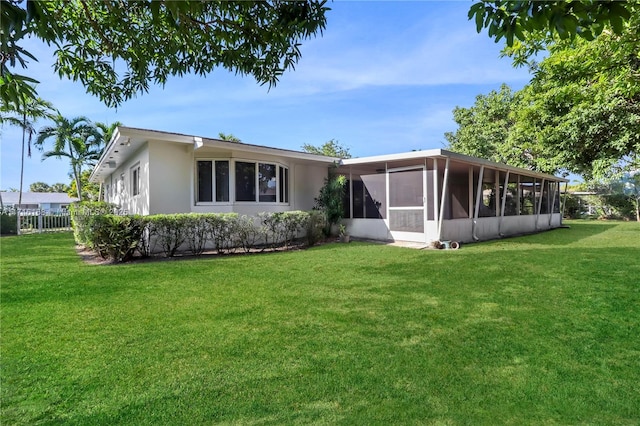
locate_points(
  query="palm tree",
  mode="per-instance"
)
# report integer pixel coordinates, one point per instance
(107, 131)
(77, 139)
(24, 115)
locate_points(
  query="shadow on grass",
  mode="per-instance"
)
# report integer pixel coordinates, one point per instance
(574, 232)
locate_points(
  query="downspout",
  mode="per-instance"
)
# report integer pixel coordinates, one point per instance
(539, 201)
(553, 202)
(504, 202)
(477, 208)
(443, 199)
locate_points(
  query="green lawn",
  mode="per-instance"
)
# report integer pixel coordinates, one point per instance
(543, 329)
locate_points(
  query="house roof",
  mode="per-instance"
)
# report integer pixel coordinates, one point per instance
(442, 153)
(37, 198)
(127, 140)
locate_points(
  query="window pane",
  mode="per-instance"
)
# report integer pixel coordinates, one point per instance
(358, 199)
(267, 182)
(222, 181)
(205, 181)
(286, 185)
(346, 200)
(245, 181)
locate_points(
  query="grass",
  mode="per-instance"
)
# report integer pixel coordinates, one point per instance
(543, 329)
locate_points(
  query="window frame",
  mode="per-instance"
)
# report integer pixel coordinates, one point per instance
(281, 175)
(135, 180)
(214, 181)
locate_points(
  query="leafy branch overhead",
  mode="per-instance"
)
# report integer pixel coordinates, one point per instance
(116, 49)
(517, 20)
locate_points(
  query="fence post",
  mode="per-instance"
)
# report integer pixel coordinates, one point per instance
(40, 221)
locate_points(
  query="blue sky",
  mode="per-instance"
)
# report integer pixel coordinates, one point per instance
(383, 78)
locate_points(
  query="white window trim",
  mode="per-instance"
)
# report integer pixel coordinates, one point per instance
(134, 172)
(232, 182)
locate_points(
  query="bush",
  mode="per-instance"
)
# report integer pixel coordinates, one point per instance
(169, 231)
(245, 233)
(82, 216)
(116, 237)
(315, 226)
(221, 228)
(196, 232)
(292, 224)
(8, 223)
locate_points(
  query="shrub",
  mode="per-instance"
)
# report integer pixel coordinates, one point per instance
(196, 232)
(8, 223)
(116, 237)
(271, 228)
(292, 224)
(315, 226)
(330, 199)
(169, 231)
(246, 233)
(221, 227)
(82, 215)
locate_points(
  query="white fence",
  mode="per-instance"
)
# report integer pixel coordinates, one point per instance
(38, 221)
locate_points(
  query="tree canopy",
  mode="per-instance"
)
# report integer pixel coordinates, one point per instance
(45, 187)
(518, 19)
(579, 113)
(331, 148)
(117, 48)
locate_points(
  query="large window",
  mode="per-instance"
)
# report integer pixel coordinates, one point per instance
(208, 181)
(253, 182)
(267, 183)
(245, 181)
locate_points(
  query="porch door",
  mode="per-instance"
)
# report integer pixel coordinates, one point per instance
(406, 195)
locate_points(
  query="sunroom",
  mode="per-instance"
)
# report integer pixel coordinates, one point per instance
(438, 195)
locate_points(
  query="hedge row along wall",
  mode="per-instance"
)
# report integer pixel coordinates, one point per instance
(119, 238)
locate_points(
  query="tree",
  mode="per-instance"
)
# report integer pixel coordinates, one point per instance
(107, 130)
(76, 139)
(331, 148)
(89, 190)
(517, 19)
(44, 187)
(228, 137)
(24, 115)
(580, 112)
(39, 187)
(150, 41)
(484, 129)
(330, 199)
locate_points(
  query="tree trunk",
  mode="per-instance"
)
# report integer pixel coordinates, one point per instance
(22, 160)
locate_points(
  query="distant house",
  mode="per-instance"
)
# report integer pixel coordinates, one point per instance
(417, 196)
(50, 202)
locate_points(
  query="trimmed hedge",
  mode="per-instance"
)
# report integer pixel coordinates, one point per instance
(119, 237)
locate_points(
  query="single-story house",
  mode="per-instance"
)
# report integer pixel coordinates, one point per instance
(418, 196)
(50, 202)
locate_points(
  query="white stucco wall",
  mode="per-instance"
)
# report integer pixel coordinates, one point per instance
(305, 185)
(170, 177)
(120, 188)
(490, 227)
(373, 229)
